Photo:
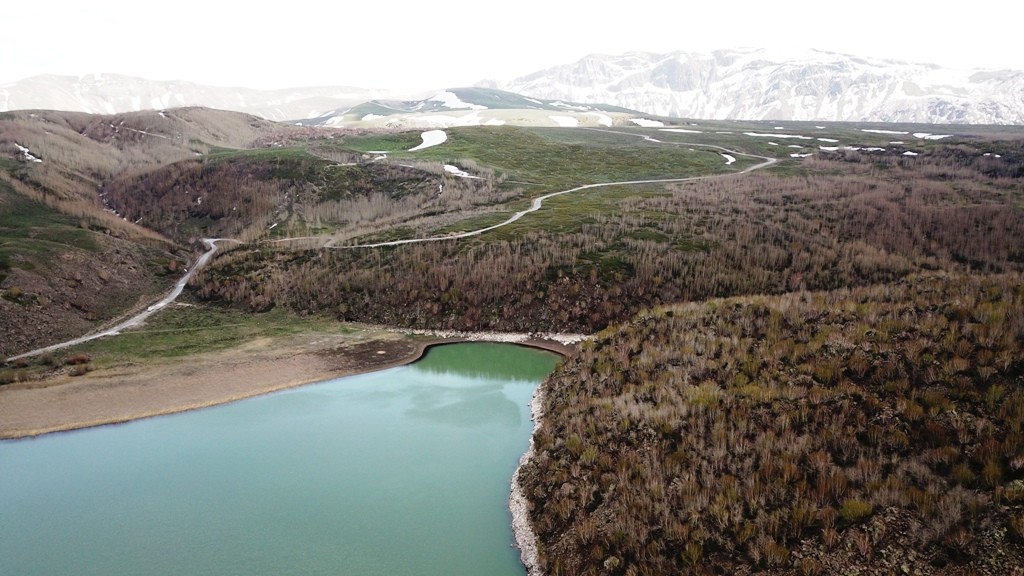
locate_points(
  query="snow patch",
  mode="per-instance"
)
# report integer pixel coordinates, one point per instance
(799, 155)
(930, 136)
(28, 155)
(909, 153)
(794, 146)
(896, 142)
(431, 138)
(773, 143)
(761, 135)
(832, 140)
(602, 119)
(872, 131)
(456, 171)
(561, 104)
(494, 122)
(728, 159)
(565, 121)
(681, 130)
(874, 149)
(645, 123)
(829, 148)
(452, 100)
(371, 116)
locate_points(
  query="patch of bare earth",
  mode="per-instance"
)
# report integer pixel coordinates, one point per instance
(130, 391)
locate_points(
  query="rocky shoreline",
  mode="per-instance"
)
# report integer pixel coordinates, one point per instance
(522, 530)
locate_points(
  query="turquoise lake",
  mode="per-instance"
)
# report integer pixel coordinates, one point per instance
(403, 471)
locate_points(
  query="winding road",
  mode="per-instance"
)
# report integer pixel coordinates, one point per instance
(539, 201)
(211, 244)
(535, 205)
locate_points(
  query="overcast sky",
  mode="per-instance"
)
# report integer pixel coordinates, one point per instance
(445, 43)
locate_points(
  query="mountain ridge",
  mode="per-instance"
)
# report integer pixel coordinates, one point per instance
(733, 84)
(109, 93)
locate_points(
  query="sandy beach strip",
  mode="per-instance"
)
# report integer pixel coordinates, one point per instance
(122, 393)
(129, 392)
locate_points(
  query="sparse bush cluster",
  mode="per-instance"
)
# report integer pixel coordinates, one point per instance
(244, 194)
(844, 225)
(770, 433)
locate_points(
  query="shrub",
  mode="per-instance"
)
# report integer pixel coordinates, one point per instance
(81, 369)
(853, 510)
(78, 359)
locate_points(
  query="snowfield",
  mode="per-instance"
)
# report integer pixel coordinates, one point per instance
(760, 135)
(431, 138)
(452, 100)
(871, 131)
(645, 123)
(681, 130)
(565, 121)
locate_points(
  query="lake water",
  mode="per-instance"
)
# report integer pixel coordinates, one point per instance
(403, 471)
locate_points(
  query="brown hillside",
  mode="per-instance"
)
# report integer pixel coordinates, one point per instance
(873, 431)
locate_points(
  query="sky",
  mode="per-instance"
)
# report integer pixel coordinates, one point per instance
(405, 45)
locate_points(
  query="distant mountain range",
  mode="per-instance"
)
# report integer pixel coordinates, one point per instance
(747, 84)
(758, 84)
(116, 94)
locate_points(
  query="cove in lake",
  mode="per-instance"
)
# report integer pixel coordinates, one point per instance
(403, 471)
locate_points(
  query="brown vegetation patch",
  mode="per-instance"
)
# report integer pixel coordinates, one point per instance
(809, 433)
(846, 221)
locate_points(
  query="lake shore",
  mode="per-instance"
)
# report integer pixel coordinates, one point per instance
(524, 537)
(122, 393)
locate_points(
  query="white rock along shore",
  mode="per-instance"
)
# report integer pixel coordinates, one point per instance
(525, 539)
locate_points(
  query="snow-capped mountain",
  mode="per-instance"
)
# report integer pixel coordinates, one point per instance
(758, 84)
(115, 94)
(473, 107)
(748, 84)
